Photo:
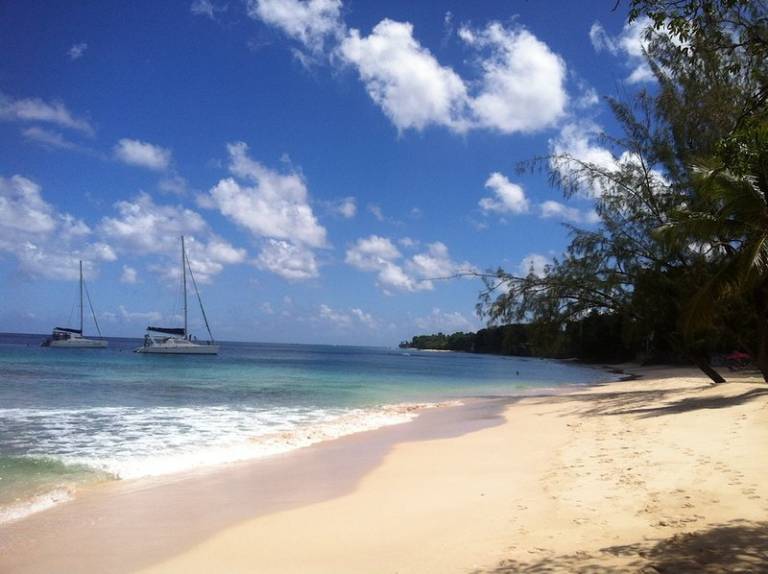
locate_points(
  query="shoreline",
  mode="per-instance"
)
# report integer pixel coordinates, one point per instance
(497, 485)
(169, 506)
(218, 458)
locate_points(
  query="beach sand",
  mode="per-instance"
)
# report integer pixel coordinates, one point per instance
(666, 473)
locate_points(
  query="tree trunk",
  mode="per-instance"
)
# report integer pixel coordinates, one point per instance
(702, 362)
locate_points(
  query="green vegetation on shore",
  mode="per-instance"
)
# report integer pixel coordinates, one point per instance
(677, 266)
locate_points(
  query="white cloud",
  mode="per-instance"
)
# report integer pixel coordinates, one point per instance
(142, 154)
(46, 243)
(291, 261)
(368, 254)
(379, 254)
(558, 210)
(174, 184)
(144, 227)
(140, 316)
(23, 209)
(436, 263)
(522, 88)
(48, 138)
(51, 261)
(206, 8)
(363, 317)
(534, 263)
(445, 322)
(346, 207)
(276, 206)
(77, 50)
(510, 197)
(404, 78)
(38, 110)
(575, 146)
(346, 319)
(129, 275)
(521, 85)
(630, 43)
(310, 22)
(516, 84)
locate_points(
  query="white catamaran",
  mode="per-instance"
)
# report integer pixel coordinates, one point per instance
(64, 337)
(177, 340)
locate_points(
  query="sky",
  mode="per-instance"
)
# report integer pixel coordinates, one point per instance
(330, 163)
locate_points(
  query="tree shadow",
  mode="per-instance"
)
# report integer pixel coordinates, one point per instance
(696, 403)
(637, 402)
(737, 547)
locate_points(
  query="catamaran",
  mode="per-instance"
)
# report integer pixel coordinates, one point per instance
(65, 337)
(177, 340)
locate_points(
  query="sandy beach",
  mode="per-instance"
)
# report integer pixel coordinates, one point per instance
(665, 473)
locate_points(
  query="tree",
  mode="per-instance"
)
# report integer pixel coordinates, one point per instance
(708, 59)
(730, 219)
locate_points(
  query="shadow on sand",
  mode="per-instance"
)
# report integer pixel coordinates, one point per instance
(737, 547)
(645, 404)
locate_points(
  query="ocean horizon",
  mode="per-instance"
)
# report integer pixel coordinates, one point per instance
(73, 417)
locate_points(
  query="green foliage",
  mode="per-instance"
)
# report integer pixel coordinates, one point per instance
(677, 265)
(597, 338)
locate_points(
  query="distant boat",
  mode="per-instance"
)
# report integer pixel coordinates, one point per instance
(177, 340)
(64, 337)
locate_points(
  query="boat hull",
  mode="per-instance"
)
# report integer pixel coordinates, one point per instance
(190, 349)
(78, 344)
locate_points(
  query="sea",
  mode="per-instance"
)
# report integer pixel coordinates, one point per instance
(70, 418)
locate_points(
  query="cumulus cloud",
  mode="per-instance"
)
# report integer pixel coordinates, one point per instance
(276, 205)
(558, 210)
(436, 263)
(439, 321)
(45, 242)
(516, 82)
(576, 145)
(522, 87)
(346, 319)
(77, 50)
(291, 261)
(275, 208)
(142, 226)
(310, 22)
(509, 197)
(404, 78)
(142, 154)
(630, 43)
(129, 275)
(379, 254)
(346, 207)
(534, 263)
(38, 110)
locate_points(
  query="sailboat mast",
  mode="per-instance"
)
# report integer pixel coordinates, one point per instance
(184, 282)
(81, 297)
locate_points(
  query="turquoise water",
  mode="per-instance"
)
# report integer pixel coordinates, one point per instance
(69, 416)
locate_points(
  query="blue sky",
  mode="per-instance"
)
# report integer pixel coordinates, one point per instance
(326, 160)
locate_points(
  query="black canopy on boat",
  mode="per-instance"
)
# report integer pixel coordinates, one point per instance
(167, 330)
(68, 330)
